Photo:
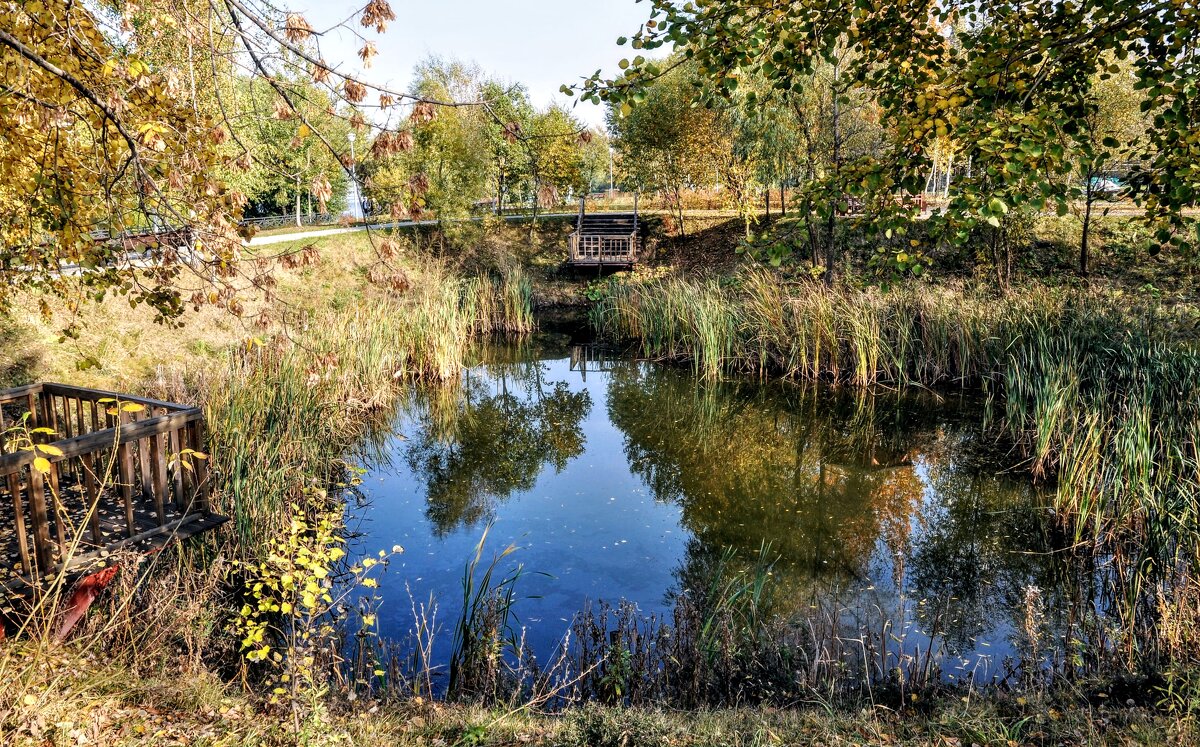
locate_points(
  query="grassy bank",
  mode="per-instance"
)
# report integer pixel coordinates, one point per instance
(290, 387)
(112, 705)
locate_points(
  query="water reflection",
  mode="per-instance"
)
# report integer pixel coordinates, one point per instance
(625, 479)
(479, 442)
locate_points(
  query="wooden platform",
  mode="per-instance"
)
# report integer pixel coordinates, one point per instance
(85, 473)
(606, 240)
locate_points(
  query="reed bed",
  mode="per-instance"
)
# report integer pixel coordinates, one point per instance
(1101, 394)
(288, 410)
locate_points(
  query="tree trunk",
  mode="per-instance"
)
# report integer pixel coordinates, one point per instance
(782, 200)
(831, 249)
(1087, 228)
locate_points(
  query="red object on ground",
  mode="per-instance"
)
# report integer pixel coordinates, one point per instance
(82, 597)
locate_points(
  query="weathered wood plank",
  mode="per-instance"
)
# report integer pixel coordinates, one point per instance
(142, 445)
(91, 494)
(8, 396)
(125, 484)
(42, 549)
(14, 490)
(158, 462)
(92, 441)
(97, 394)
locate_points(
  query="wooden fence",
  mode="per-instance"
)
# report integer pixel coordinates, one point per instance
(85, 472)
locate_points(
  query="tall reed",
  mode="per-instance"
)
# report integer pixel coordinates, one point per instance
(1101, 393)
(286, 411)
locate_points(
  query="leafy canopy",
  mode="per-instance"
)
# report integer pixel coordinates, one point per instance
(1007, 80)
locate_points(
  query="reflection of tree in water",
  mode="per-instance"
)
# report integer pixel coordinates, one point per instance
(491, 437)
(816, 477)
(983, 540)
(849, 491)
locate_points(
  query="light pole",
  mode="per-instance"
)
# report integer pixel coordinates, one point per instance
(612, 187)
(355, 202)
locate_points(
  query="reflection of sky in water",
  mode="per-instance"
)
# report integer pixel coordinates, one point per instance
(628, 497)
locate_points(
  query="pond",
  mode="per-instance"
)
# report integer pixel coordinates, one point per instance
(620, 479)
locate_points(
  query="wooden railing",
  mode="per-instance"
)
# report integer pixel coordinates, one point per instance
(604, 248)
(84, 472)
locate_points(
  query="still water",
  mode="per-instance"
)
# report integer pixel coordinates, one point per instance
(624, 480)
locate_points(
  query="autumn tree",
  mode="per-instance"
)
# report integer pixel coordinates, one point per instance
(666, 144)
(118, 117)
(1004, 79)
(557, 164)
(288, 159)
(1113, 127)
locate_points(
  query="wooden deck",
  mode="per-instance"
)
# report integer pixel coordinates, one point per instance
(606, 240)
(84, 473)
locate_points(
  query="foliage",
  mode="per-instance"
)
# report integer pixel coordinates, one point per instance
(296, 598)
(94, 139)
(667, 145)
(122, 118)
(289, 159)
(1005, 82)
(504, 150)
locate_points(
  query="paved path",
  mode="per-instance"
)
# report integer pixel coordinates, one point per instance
(320, 233)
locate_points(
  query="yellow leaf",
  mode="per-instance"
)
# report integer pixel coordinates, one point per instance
(41, 464)
(132, 407)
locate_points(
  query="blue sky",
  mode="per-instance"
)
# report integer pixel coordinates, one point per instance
(541, 43)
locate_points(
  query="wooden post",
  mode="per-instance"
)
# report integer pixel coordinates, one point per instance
(125, 466)
(158, 463)
(60, 520)
(91, 494)
(176, 446)
(14, 489)
(200, 466)
(41, 523)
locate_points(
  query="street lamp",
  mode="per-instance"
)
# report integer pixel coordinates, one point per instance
(611, 182)
(355, 203)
